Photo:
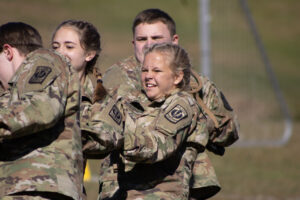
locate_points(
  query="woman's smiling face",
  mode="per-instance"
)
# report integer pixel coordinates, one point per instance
(158, 79)
(67, 42)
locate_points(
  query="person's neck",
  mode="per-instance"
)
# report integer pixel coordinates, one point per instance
(17, 59)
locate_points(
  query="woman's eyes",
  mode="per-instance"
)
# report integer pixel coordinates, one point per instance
(69, 47)
(155, 70)
(55, 46)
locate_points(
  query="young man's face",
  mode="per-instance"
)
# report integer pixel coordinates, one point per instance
(147, 34)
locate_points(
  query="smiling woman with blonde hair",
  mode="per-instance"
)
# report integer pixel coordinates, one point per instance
(164, 130)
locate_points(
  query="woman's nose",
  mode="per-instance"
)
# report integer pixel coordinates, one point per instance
(59, 50)
(149, 75)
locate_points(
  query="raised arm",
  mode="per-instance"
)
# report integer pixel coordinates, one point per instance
(156, 134)
(102, 128)
(37, 97)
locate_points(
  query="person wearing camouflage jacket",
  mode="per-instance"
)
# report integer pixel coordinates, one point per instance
(162, 135)
(154, 163)
(84, 39)
(127, 81)
(40, 138)
(103, 126)
(155, 26)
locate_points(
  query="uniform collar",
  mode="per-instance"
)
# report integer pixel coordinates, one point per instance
(88, 86)
(160, 100)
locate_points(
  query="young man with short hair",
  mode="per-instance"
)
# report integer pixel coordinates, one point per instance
(40, 139)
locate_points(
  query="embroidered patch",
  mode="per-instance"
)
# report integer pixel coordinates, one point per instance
(40, 74)
(176, 114)
(115, 114)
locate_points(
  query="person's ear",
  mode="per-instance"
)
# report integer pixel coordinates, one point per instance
(133, 38)
(178, 78)
(8, 51)
(90, 55)
(133, 43)
(175, 39)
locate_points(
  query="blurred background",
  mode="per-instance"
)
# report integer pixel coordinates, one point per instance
(254, 59)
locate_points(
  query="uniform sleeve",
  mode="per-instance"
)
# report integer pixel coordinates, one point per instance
(227, 132)
(156, 140)
(37, 100)
(4, 99)
(122, 77)
(113, 78)
(102, 127)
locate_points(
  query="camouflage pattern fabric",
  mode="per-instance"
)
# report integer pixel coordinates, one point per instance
(149, 127)
(89, 85)
(5, 97)
(226, 132)
(24, 197)
(154, 136)
(87, 91)
(2, 90)
(103, 127)
(41, 148)
(223, 136)
(124, 74)
(124, 77)
(36, 196)
(204, 180)
(91, 127)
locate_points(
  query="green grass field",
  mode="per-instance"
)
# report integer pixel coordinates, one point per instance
(264, 173)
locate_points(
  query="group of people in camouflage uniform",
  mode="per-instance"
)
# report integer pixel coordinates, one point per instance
(149, 120)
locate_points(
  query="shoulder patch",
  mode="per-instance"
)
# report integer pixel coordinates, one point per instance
(40, 75)
(176, 114)
(115, 114)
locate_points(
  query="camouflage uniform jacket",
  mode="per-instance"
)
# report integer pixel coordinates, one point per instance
(4, 96)
(124, 77)
(2, 90)
(40, 145)
(87, 91)
(216, 102)
(204, 182)
(103, 127)
(154, 162)
(88, 87)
